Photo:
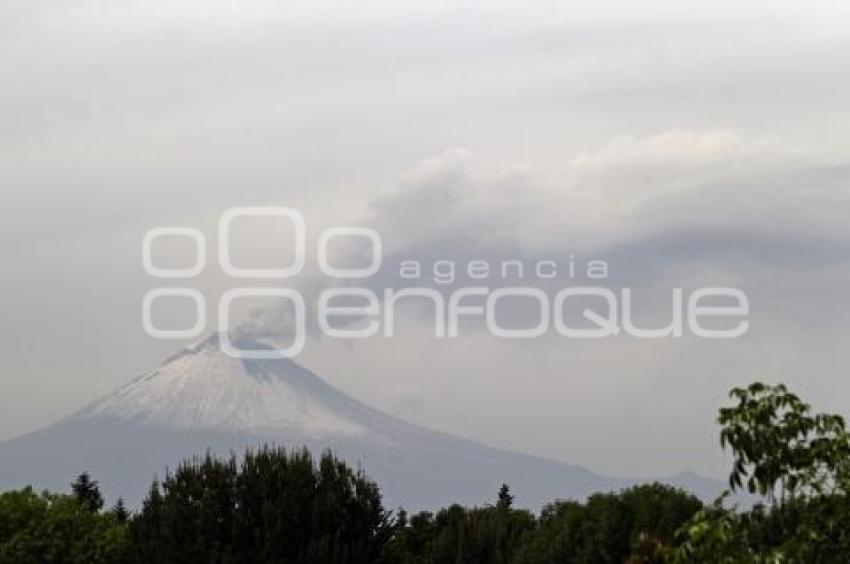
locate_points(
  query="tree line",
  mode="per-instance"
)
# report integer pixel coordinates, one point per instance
(278, 506)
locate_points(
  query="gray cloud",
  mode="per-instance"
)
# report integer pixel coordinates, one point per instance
(683, 145)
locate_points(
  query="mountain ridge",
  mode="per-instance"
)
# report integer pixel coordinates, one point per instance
(201, 400)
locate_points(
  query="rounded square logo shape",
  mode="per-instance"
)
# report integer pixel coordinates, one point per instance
(365, 232)
(200, 313)
(298, 244)
(147, 252)
(262, 354)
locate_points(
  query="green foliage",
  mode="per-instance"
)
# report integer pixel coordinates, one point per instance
(612, 528)
(821, 530)
(488, 535)
(274, 507)
(87, 493)
(120, 512)
(799, 462)
(778, 444)
(57, 529)
(714, 536)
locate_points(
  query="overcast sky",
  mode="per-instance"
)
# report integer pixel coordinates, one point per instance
(686, 144)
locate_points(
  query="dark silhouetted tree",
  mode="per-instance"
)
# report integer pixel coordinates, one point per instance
(87, 493)
(273, 506)
(119, 511)
(611, 528)
(505, 500)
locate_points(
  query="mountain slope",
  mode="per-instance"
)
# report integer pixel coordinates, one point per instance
(202, 399)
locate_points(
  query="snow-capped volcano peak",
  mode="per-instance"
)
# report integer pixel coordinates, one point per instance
(202, 400)
(203, 388)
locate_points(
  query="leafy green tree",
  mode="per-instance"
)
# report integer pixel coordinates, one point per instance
(486, 535)
(780, 449)
(798, 462)
(637, 524)
(274, 506)
(58, 529)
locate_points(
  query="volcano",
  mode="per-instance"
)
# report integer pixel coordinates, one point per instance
(202, 400)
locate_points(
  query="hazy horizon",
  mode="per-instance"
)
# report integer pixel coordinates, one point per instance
(684, 146)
